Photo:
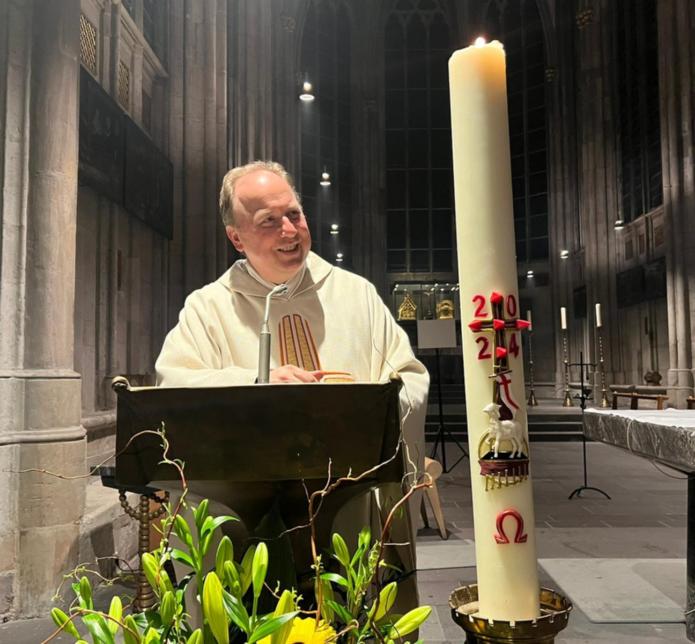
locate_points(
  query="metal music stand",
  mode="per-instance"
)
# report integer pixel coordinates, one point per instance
(584, 395)
(440, 334)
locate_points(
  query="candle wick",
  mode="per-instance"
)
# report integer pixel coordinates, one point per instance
(480, 41)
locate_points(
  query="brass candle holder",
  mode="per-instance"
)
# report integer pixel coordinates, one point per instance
(604, 394)
(567, 401)
(555, 610)
(531, 402)
(144, 598)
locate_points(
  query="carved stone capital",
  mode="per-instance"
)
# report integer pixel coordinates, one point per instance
(288, 23)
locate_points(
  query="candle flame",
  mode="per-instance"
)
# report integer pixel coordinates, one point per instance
(480, 41)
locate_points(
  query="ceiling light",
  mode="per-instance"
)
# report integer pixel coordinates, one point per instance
(307, 94)
(529, 273)
(339, 256)
(619, 224)
(335, 229)
(325, 178)
(564, 254)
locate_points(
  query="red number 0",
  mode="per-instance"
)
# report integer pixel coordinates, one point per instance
(511, 306)
(484, 353)
(480, 299)
(514, 346)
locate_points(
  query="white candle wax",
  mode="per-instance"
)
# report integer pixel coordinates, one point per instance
(507, 572)
(530, 320)
(599, 322)
(563, 318)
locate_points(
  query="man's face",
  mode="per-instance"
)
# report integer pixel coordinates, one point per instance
(269, 226)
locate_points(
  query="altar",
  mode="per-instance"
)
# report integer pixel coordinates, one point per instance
(667, 437)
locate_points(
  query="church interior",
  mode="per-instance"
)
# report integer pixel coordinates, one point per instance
(118, 122)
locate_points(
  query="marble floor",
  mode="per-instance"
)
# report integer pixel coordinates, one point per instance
(645, 519)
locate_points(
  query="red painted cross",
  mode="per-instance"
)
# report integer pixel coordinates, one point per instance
(499, 325)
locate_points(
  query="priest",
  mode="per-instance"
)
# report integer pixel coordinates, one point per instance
(329, 325)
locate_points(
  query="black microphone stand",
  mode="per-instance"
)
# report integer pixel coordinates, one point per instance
(583, 396)
(442, 432)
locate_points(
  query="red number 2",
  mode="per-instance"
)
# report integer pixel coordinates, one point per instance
(479, 312)
(484, 353)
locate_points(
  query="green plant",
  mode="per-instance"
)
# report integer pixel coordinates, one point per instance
(220, 593)
(348, 599)
(353, 602)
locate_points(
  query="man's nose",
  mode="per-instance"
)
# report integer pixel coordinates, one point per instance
(288, 228)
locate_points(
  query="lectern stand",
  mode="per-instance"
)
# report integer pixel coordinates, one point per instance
(259, 434)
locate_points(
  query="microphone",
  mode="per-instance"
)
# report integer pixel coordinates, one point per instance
(264, 346)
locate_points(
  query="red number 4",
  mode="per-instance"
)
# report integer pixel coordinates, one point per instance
(514, 346)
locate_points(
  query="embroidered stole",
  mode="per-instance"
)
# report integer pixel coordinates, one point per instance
(297, 344)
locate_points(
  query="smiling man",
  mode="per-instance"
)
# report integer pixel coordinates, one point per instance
(329, 325)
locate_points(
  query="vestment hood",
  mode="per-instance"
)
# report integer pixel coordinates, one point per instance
(241, 278)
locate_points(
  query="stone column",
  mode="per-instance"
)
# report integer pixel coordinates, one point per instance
(222, 55)
(194, 214)
(369, 221)
(40, 392)
(175, 148)
(597, 179)
(676, 57)
(251, 39)
(286, 85)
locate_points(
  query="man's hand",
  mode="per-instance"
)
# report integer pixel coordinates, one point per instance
(290, 373)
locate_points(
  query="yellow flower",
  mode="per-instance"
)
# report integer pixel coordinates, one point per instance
(305, 631)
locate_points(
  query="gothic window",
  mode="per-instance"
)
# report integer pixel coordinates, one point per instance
(638, 97)
(517, 25)
(419, 181)
(326, 129)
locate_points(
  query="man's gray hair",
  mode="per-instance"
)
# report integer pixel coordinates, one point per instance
(231, 178)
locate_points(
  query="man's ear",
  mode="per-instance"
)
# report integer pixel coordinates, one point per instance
(233, 237)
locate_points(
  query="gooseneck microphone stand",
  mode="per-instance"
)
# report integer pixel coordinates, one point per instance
(264, 344)
(584, 395)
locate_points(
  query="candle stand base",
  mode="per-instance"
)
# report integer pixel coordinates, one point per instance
(555, 609)
(567, 401)
(532, 402)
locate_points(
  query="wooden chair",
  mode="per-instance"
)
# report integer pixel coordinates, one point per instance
(434, 469)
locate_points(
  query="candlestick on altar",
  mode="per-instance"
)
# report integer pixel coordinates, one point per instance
(531, 402)
(506, 605)
(567, 400)
(602, 370)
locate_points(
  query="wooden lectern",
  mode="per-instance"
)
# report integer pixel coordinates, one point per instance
(256, 435)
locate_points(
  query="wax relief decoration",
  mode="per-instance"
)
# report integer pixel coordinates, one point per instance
(503, 448)
(519, 536)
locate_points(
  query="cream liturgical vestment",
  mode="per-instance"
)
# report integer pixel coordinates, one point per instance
(330, 319)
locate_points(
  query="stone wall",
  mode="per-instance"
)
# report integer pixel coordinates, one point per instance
(89, 291)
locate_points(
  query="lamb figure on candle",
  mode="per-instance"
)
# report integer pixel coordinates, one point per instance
(503, 430)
